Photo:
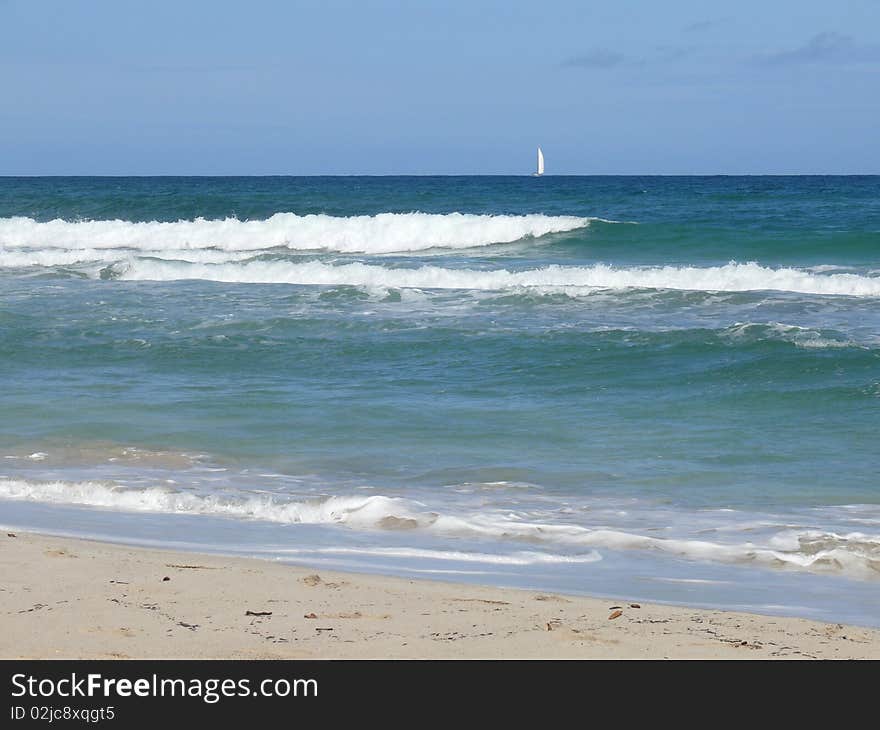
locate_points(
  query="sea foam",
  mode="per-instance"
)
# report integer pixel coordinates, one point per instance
(564, 279)
(854, 554)
(382, 233)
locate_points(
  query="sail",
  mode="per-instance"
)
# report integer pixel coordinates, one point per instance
(540, 162)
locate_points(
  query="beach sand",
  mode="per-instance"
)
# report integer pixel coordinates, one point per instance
(67, 598)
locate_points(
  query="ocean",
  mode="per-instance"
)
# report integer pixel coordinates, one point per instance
(646, 388)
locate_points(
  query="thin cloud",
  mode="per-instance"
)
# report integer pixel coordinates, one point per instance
(827, 47)
(600, 58)
(701, 26)
(674, 53)
(603, 58)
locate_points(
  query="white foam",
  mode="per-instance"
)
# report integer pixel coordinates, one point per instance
(825, 268)
(21, 258)
(564, 279)
(356, 511)
(516, 558)
(854, 554)
(382, 233)
(791, 333)
(697, 581)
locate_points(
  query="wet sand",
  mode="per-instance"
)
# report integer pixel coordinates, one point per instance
(67, 598)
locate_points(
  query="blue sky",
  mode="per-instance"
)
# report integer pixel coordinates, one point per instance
(381, 87)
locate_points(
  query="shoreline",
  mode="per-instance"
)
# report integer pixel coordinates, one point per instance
(76, 598)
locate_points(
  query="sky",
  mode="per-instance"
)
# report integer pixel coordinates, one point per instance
(205, 87)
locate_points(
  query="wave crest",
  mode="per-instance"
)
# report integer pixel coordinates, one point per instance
(854, 554)
(563, 279)
(382, 233)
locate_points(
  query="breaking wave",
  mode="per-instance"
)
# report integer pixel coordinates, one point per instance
(566, 279)
(854, 554)
(382, 233)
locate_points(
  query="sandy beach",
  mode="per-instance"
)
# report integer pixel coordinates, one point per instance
(66, 598)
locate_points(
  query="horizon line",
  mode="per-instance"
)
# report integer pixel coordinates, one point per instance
(428, 174)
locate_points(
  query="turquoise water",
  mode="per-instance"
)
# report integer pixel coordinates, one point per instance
(660, 388)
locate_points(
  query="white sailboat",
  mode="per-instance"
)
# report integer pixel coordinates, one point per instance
(540, 170)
